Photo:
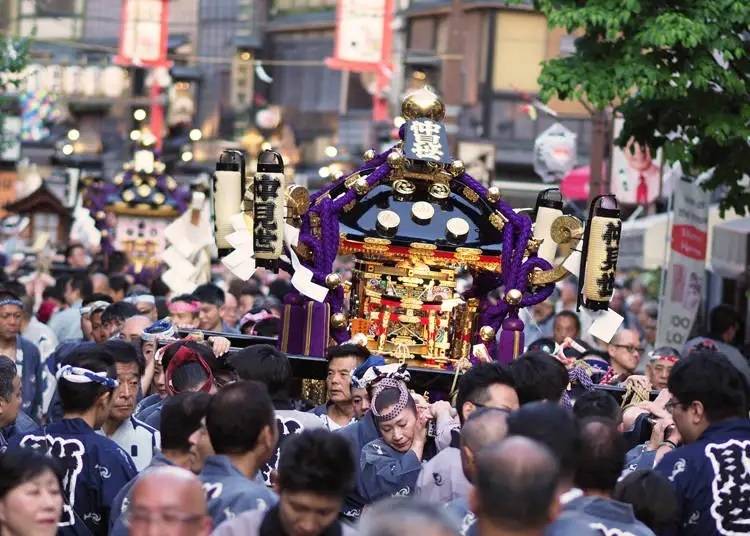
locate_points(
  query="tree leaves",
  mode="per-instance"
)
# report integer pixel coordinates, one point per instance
(679, 73)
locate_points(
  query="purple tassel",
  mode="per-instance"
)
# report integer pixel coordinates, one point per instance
(510, 345)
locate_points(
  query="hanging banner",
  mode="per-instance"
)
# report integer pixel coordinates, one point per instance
(143, 33)
(363, 35)
(685, 281)
(636, 172)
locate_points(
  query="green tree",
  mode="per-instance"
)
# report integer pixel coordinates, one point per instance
(677, 70)
(14, 56)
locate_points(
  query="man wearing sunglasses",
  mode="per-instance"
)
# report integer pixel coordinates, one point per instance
(624, 351)
(710, 473)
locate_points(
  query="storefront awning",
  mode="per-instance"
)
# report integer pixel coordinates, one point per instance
(730, 251)
(644, 241)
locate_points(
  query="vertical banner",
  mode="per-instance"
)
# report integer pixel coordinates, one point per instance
(685, 282)
(363, 44)
(143, 33)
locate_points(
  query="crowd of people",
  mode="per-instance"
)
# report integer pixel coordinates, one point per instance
(111, 424)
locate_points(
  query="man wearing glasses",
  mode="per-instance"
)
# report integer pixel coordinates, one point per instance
(710, 473)
(624, 351)
(180, 511)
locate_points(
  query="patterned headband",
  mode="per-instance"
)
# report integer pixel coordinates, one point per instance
(94, 307)
(178, 307)
(82, 375)
(398, 407)
(161, 329)
(11, 301)
(141, 298)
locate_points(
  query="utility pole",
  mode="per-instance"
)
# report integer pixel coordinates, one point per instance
(600, 139)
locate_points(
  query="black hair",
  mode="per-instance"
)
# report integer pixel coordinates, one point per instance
(185, 298)
(265, 364)
(79, 397)
(14, 287)
(8, 295)
(97, 296)
(81, 282)
(204, 351)
(8, 371)
(652, 497)
(317, 461)
(71, 247)
(236, 416)
(188, 376)
(279, 288)
(181, 415)
(601, 457)
(125, 352)
(720, 319)
(516, 492)
(475, 383)
(210, 293)
(596, 403)
(554, 427)
(54, 292)
(572, 316)
(18, 466)
(348, 350)
(119, 312)
(390, 396)
(711, 379)
(268, 327)
(159, 288)
(117, 261)
(119, 283)
(539, 376)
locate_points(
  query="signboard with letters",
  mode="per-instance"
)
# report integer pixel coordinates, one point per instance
(426, 141)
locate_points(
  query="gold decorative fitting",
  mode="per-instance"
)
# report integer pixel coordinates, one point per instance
(404, 187)
(333, 281)
(440, 190)
(420, 245)
(128, 196)
(470, 194)
(533, 245)
(493, 194)
(396, 159)
(465, 255)
(100, 215)
(171, 184)
(376, 245)
(457, 168)
(487, 333)
(298, 200)
(338, 320)
(144, 190)
(423, 103)
(566, 229)
(497, 220)
(361, 186)
(159, 198)
(513, 296)
(370, 154)
(118, 180)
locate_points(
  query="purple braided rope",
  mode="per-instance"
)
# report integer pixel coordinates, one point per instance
(375, 162)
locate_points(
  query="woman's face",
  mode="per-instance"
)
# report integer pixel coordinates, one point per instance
(399, 431)
(160, 380)
(32, 508)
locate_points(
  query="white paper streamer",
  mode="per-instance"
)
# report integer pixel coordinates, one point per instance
(605, 324)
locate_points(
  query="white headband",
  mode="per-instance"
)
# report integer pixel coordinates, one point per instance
(82, 375)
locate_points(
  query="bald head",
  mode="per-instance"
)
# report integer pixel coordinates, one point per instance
(516, 485)
(100, 283)
(483, 428)
(148, 501)
(134, 326)
(624, 336)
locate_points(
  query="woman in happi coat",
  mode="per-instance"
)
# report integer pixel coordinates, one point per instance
(390, 464)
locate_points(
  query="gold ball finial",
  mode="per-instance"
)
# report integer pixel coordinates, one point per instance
(487, 333)
(338, 320)
(423, 104)
(369, 155)
(333, 281)
(396, 159)
(457, 168)
(493, 194)
(361, 186)
(513, 296)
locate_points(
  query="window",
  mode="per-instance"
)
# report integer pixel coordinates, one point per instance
(46, 222)
(55, 8)
(520, 46)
